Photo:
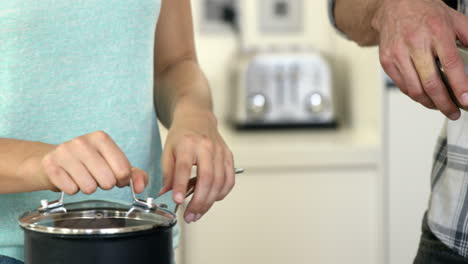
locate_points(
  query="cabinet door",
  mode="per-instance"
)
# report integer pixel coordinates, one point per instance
(299, 216)
(412, 131)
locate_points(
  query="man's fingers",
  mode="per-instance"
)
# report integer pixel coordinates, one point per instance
(412, 82)
(433, 85)
(392, 71)
(395, 75)
(454, 68)
(460, 24)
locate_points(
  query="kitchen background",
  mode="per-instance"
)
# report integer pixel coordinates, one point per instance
(354, 193)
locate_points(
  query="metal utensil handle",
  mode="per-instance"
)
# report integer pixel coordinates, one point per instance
(193, 182)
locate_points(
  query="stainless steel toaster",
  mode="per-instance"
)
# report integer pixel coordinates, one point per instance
(283, 89)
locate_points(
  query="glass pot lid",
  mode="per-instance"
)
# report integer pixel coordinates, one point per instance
(96, 217)
(101, 217)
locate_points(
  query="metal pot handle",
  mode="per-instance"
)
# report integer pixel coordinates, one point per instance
(148, 203)
(54, 206)
(57, 206)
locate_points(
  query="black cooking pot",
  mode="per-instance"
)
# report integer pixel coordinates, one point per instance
(100, 232)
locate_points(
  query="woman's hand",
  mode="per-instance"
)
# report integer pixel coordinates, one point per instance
(193, 139)
(412, 33)
(88, 162)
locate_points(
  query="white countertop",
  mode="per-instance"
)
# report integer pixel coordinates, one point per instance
(303, 148)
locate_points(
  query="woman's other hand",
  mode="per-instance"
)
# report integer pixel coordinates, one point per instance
(193, 139)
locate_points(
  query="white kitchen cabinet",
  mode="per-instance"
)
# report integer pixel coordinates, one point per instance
(410, 135)
(320, 215)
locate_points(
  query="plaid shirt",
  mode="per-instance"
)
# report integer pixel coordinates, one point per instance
(448, 206)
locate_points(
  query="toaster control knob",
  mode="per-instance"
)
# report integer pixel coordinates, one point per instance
(315, 103)
(257, 105)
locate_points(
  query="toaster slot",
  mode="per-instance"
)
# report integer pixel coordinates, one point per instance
(294, 75)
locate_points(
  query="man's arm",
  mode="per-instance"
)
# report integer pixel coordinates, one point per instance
(354, 18)
(411, 34)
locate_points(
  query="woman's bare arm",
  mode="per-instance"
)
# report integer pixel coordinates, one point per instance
(184, 104)
(17, 165)
(179, 81)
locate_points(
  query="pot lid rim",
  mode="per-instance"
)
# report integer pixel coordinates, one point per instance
(91, 231)
(31, 220)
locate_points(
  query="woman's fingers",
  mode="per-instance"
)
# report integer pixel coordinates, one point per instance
(140, 179)
(219, 177)
(75, 168)
(230, 176)
(168, 163)
(205, 174)
(59, 177)
(183, 168)
(215, 172)
(94, 163)
(88, 162)
(217, 183)
(112, 154)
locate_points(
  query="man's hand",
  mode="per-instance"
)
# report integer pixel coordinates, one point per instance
(412, 33)
(193, 139)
